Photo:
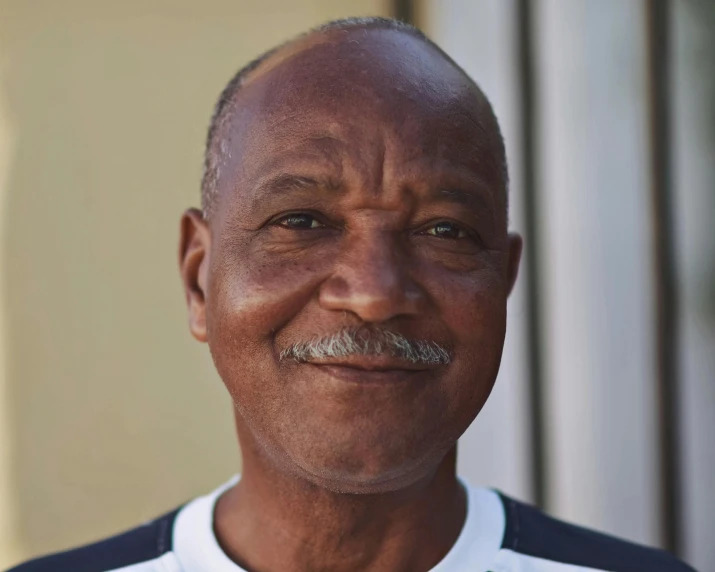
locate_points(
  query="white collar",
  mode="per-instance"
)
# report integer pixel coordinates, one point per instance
(197, 549)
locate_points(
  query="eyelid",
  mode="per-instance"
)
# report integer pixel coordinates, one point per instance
(435, 222)
(458, 228)
(276, 219)
(466, 228)
(323, 221)
(313, 221)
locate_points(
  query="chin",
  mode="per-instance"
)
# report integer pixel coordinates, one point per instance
(367, 472)
(366, 484)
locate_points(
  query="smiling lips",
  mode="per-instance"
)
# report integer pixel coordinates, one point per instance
(378, 369)
(380, 362)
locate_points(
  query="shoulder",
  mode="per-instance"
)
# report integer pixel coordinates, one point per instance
(530, 533)
(142, 544)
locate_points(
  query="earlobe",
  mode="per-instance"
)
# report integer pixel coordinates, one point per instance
(194, 249)
(515, 249)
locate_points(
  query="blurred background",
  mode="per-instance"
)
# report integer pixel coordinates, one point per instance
(604, 411)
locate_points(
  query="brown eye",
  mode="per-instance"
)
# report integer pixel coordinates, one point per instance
(300, 221)
(446, 229)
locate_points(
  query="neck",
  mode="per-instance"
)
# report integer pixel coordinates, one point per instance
(274, 521)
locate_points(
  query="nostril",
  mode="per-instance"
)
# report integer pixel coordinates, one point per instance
(339, 286)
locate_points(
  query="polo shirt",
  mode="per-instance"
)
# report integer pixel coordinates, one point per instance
(499, 534)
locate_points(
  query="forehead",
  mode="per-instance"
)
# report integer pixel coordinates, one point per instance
(361, 95)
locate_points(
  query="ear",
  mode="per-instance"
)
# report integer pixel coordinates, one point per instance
(194, 249)
(515, 248)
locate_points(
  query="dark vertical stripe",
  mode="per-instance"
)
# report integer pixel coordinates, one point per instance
(403, 10)
(666, 334)
(535, 346)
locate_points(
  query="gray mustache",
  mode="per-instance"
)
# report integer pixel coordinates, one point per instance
(367, 341)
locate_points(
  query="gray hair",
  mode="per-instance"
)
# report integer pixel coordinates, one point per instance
(367, 341)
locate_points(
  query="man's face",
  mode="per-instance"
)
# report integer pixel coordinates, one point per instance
(362, 187)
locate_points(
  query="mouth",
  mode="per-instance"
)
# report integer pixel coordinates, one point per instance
(377, 369)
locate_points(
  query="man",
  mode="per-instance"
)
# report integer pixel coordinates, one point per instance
(350, 270)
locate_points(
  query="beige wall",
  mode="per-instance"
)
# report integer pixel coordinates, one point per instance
(109, 412)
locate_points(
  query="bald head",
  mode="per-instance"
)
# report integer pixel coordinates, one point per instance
(391, 59)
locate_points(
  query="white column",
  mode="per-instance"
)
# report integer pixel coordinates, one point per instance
(694, 154)
(594, 179)
(481, 37)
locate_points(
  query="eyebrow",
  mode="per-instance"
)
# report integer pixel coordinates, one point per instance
(476, 195)
(285, 183)
(462, 197)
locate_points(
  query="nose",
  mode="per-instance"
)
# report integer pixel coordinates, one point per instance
(372, 280)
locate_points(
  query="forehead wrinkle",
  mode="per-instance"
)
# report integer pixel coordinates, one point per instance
(284, 153)
(411, 66)
(450, 176)
(287, 183)
(309, 156)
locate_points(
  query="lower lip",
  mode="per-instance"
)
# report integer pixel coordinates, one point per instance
(370, 376)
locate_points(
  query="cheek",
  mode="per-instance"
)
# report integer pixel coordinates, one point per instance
(477, 313)
(471, 304)
(259, 294)
(247, 302)
(473, 307)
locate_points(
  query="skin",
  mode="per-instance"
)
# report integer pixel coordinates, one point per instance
(362, 186)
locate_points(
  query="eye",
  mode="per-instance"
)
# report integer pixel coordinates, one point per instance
(446, 229)
(299, 221)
